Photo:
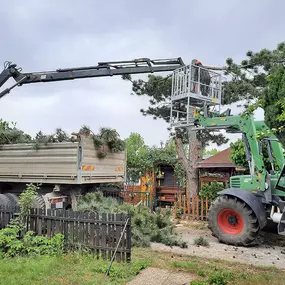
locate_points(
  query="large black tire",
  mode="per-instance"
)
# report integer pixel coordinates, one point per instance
(232, 221)
(39, 202)
(5, 201)
(13, 198)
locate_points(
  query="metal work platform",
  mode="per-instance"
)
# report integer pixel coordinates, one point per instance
(193, 87)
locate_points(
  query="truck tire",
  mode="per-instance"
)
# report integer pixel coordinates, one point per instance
(39, 202)
(13, 198)
(232, 221)
(5, 201)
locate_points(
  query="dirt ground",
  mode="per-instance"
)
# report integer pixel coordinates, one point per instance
(268, 250)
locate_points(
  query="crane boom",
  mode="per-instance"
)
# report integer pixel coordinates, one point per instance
(103, 69)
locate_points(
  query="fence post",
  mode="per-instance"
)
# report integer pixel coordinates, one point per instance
(104, 233)
(193, 207)
(197, 207)
(188, 207)
(129, 240)
(184, 206)
(202, 209)
(175, 207)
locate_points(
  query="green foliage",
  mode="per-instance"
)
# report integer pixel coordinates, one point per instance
(260, 76)
(146, 227)
(27, 197)
(238, 155)
(9, 133)
(107, 140)
(15, 241)
(142, 158)
(201, 241)
(167, 156)
(96, 202)
(212, 151)
(137, 157)
(219, 277)
(12, 244)
(210, 190)
(253, 107)
(201, 273)
(274, 111)
(198, 282)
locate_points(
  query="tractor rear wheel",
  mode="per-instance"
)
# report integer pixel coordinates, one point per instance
(232, 221)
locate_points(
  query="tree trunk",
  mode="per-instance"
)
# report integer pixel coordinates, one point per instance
(195, 155)
(195, 151)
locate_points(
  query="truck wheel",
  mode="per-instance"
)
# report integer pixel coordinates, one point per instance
(5, 201)
(232, 221)
(39, 202)
(13, 198)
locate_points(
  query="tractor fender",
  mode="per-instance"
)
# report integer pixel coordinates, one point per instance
(251, 200)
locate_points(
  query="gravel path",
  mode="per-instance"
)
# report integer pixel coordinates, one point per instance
(157, 276)
(269, 249)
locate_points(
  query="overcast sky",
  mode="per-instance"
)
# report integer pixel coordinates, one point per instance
(46, 35)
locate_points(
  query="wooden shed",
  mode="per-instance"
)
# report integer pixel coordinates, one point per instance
(218, 167)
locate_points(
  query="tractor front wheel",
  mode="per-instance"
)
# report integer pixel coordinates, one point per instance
(232, 221)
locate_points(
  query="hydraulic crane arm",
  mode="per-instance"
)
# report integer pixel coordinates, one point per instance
(246, 126)
(103, 69)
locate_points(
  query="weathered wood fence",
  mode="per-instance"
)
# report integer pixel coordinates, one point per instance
(7, 214)
(100, 233)
(191, 207)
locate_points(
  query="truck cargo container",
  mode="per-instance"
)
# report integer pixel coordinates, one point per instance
(64, 171)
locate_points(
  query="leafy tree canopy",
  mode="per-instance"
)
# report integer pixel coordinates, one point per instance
(142, 158)
(212, 151)
(238, 155)
(261, 76)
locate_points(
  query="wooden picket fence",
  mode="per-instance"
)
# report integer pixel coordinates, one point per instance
(7, 214)
(99, 233)
(193, 207)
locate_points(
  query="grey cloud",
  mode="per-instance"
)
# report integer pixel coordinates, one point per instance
(40, 36)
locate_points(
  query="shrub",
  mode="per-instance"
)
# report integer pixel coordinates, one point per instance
(210, 190)
(146, 227)
(201, 241)
(219, 277)
(13, 244)
(15, 241)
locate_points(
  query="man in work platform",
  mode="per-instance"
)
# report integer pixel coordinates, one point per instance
(204, 77)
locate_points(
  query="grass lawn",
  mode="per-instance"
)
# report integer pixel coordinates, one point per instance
(235, 273)
(81, 270)
(71, 269)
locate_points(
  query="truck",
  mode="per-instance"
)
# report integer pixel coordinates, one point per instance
(65, 170)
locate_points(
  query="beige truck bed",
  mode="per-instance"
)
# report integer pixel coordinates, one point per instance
(60, 163)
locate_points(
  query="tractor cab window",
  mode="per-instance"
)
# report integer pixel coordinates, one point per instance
(281, 181)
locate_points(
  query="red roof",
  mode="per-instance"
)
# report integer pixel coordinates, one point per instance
(221, 159)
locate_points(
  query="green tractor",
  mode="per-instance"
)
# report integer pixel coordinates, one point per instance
(241, 211)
